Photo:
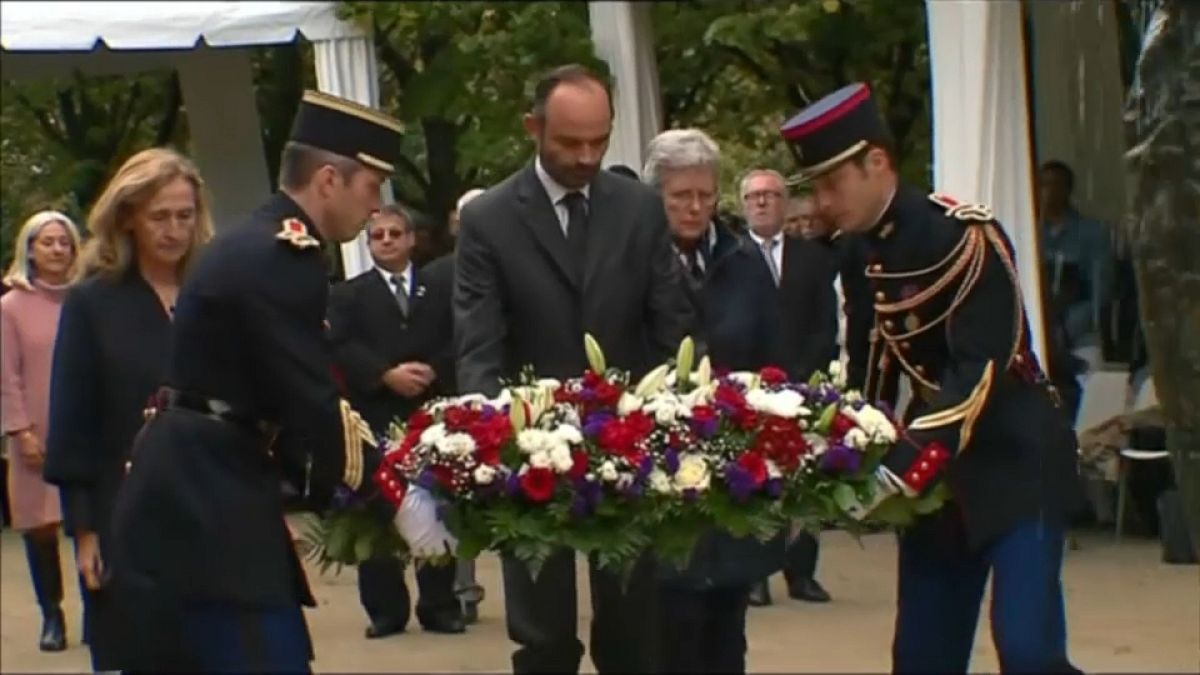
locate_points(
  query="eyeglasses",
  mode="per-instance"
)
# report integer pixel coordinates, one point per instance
(380, 234)
(762, 195)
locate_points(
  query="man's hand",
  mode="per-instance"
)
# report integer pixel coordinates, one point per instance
(87, 557)
(30, 448)
(409, 379)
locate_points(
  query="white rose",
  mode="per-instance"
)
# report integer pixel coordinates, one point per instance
(568, 434)
(857, 439)
(628, 404)
(433, 434)
(608, 471)
(852, 396)
(817, 445)
(666, 408)
(835, 369)
(456, 445)
(660, 482)
(744, 378)
(693, 473)
(624, 481)
(561, 460)
(785, 403)
(531, 441)
(484, 474)
(540, 460)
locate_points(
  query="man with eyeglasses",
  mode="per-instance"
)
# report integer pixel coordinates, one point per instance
(391, 335)
(805, 341)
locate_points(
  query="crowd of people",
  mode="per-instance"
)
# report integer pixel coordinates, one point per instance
(258, 373)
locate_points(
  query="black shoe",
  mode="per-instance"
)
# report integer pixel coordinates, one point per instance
(444, 621)
(54, 632)
(470, 612)
(381, 629)
(808, 590)
(760, 594)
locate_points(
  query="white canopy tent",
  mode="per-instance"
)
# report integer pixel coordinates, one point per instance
(206, 43)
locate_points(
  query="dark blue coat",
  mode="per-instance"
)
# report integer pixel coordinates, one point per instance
(737, 315)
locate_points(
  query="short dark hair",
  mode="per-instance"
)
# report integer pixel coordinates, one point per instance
(300, 161)
(395, 210)
(573, 73)
(1063, 170)
(888, 148)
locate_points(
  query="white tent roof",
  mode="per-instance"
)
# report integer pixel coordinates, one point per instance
(80, 26)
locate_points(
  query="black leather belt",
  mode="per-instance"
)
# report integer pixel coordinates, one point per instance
(167, 398)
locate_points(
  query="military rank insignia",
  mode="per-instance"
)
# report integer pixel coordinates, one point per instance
(295, 232)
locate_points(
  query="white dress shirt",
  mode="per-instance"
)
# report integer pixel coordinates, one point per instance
(556, 191)
(776, 251)
(406, 274)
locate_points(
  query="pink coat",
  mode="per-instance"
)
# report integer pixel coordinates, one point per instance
(28, 324)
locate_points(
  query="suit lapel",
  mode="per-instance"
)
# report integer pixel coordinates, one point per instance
(539, 216)
(382, 294)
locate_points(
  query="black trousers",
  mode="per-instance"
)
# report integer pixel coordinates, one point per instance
(703, 631)
(801, 560)
(384, 593)
(542, 617)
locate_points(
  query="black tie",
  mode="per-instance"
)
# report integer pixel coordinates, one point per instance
(694, 268)
(576, 205)
(401, 292)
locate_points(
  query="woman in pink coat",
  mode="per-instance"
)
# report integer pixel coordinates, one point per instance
(42, 267)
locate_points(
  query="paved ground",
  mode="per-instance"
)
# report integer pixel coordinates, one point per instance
(1127, 612)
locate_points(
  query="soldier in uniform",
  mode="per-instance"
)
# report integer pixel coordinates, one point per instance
(984, 419)
(203, 567)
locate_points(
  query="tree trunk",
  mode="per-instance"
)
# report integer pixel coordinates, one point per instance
(1164, 225)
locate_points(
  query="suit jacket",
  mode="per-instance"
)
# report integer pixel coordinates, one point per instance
(807, 336)
(371, 334)
(520, 298)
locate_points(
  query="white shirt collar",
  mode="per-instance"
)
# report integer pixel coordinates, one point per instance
(758, 239)
(407, 273)
(555, 190)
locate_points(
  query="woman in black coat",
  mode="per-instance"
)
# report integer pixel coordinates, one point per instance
(703, 607)
(112, 345)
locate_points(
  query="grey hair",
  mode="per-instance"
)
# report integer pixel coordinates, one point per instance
(760, 172)
(680, 149)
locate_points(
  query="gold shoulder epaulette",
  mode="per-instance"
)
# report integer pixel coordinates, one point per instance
(295, 232)
(971, 213)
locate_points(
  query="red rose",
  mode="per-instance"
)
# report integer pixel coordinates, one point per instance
(745, 419)
(579, 464)
(538, 484)
(640, 423)
(419, 421)
(703, 414)
(840, 426)
(457, 418)
(728, 396)
(772, 375)
(489, 435)
(607, 394)
(754, 464)
(444, 476)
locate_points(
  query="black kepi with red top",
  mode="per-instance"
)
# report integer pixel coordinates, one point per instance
(834, 129)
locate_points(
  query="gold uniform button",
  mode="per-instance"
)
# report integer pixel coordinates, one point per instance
(906, 345)
(888, 325)
(879, 296)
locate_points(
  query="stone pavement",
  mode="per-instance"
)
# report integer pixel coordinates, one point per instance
(1127, 613)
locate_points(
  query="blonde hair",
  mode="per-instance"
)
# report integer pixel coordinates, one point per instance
(21, 272)
(110, 251)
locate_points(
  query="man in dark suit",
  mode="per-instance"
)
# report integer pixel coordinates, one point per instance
(556, 250)
(806, 337)
(391, 334)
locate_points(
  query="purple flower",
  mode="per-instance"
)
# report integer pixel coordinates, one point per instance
(740, 482)
(512, 486)
(595, 421)
(671, 460)
(803, 389)
(831, 395)
(487, 412)
(858, 405)
(774, 488)
(580, 507)
(690, 495)
(840, 459)
(645, 468)
(589, 490)
(343, 497)
(427, 480)
(707, 428)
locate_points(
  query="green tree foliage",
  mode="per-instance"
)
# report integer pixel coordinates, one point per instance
(458, 74)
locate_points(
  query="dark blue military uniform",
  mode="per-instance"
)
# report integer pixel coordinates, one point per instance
(203, 563)
(984, 418)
